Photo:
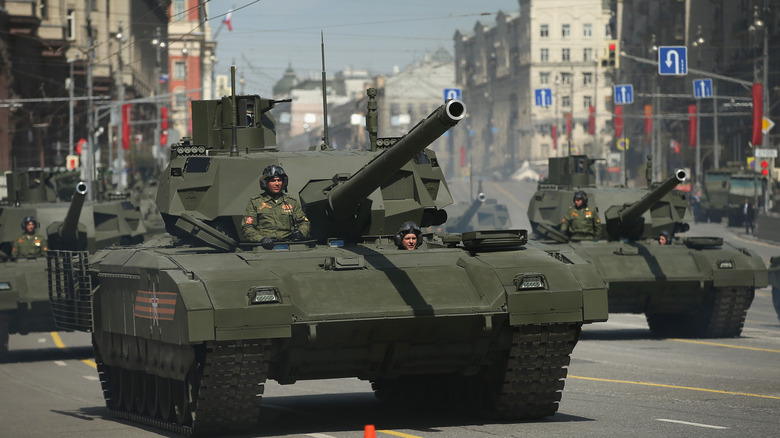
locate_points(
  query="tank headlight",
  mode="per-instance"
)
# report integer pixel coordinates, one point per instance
(725, 264)
(4, 285)
(263, 295)
(531, 281)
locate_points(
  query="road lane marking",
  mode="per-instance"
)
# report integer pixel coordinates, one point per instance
(401, 434)
(58, 342)
(710, 426)
(41, 340)
(60, 363)
(690, 388)
(319, 435)
(91, 377)
(724, 345)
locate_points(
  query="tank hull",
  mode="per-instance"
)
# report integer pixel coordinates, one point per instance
(368, 311)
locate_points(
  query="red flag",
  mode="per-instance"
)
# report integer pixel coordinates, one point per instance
(227, 19)
(126, 125)
(591, 120)
(568, 126)
(758, 114)
(648, 121)
(554, 132)
(692, 125)
(618, 121)
(81, 145)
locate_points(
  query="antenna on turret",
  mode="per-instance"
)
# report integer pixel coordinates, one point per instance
(325, 142)
(234, 146)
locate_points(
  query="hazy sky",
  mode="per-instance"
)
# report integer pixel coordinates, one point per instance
(268, 35)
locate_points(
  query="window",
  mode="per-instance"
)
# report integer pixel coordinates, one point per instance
(587, 79)
(179, 10)
(566, 78)
(587, 54)
(566, 31)
(545, 55)
(181, 97)
(544, 31)
(70, 25)
(179, 70)
(565, 54)
(544, 77)
(587, 30)
(44, 8)
(587, 101)
(566, 101)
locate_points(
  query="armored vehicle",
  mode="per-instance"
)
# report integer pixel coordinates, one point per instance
(774, 280)
(696, 286)
(80, 225)
(482, 213)
(187, 331)
(725, 189)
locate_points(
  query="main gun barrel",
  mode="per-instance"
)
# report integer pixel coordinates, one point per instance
(68, 229)
(633, 211)
(344, 198)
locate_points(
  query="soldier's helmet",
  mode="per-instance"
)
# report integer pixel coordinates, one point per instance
(406, 228)
(580, 194)
(27, 220)
(271, 172)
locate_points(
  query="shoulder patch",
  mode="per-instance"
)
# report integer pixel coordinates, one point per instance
(249, 220)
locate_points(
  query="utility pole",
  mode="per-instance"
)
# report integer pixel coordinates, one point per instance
(120, 153)
(70, 108)
(158, 44)
(90, 168)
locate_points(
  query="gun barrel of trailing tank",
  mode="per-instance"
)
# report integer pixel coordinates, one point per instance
(70, 224)
(465, 218)
(344, 198)
(633, 211)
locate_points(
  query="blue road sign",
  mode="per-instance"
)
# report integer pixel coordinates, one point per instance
(673, 60)
(451, 93)
(543, 96)
(702, 88)
(624, 94)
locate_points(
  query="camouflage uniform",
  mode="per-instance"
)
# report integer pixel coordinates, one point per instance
(269, 216)
(29, 246)
(581, 224)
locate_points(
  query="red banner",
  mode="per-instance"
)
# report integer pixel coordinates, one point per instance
(648, 121)
(554, 132)
(126, 125)
(758, 114)
(591, 120)
(692, 125)
(164, 127)
(618, 121)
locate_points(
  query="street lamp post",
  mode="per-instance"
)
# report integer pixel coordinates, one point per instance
(120, 153)
(698, 42)
(185, 53)
(158, 44)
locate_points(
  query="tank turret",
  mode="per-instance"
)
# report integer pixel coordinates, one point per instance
(626, 221)
(626, 213)
(346, 194)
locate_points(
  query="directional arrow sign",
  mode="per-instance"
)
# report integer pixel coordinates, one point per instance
(543, 96)
(451, 93)
(702, 88)
(673, 60)
(624, 94)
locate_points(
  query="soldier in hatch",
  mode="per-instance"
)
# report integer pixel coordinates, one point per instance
(30, 244)
(272, 215)
(580, 222)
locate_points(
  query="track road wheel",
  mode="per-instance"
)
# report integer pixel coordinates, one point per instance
(182, 402)
(164, 404)
(150, 395)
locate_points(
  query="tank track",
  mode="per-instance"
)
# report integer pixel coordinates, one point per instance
(535, 370)
(225, 386)
(723, 317)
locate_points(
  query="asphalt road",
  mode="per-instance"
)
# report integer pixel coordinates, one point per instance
(621, 382)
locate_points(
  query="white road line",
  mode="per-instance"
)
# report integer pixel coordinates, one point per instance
(41, 340)
(319, 435)
(91, 377)
(710, 426)
(60, 363)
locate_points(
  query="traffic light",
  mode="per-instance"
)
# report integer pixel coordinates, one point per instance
(765, 167)
(612, 58)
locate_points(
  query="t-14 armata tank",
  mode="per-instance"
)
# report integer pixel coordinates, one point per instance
(78, 225)
(691, 287)
(186, 332)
